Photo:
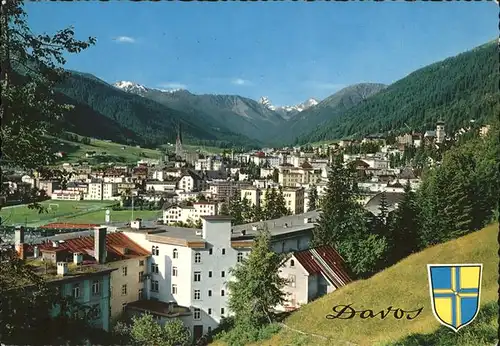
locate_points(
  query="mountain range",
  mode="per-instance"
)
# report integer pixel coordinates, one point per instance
(456, 90)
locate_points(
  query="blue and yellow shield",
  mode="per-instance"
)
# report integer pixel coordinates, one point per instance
(455, 293)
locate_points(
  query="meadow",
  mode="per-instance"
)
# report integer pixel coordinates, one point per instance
(72, 212)
(405, 286)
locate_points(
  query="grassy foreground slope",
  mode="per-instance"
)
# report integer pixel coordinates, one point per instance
(404, 285)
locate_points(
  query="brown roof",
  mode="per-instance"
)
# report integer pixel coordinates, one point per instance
(306, 165)
(115, 246)
(314, 260)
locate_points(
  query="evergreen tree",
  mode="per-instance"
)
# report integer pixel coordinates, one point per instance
(405, 226)
(257, 287)
(383, 209)
(280, 206)
(224, 209)
(257, 213)
(246, 210)
(313, 198)
(342, 215)
(235, 209)
(269, 203)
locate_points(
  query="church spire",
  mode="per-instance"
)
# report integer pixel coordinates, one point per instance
(178, 142)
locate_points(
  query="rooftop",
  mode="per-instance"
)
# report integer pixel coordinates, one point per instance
(160, 308)
(48, 271)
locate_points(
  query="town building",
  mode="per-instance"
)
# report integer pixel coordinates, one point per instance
(187, 213)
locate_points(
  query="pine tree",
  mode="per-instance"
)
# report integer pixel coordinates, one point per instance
(281, 208)
(313, 198)
(383, 208)
(405, 226)
(342, 215)
(257, 287)
(224, 209)
(257, 213)
(270, 203)
(235, 209)
(246, 210)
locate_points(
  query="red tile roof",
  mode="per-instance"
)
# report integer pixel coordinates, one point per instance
(324, 260)
(116, 243)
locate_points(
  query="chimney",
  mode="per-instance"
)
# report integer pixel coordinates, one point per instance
(62, 268)
(136, 224)
(36, 252)
(55, 243)
(243, 232)
(100, 244)
(77, 258)
(19, 235)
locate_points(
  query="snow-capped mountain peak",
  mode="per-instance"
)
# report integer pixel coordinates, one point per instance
(130, 86)
(288, 111)
(266, 102)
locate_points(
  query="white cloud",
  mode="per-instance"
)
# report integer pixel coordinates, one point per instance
(124, 39)
(172, 85)
(325, 85)
(239, 81)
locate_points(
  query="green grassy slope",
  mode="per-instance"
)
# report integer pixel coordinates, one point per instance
(404, 285)
(456, 90)
(115, 152)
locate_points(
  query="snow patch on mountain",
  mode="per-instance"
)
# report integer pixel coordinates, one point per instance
(288, 111)
(139, 89)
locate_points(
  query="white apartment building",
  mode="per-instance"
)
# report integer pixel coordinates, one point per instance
(294, 197)
(161, 186)
(101, 191)
(209, 164)
(191, 266)
(185, 213)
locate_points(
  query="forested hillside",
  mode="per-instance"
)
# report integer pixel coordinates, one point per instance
(456, 90)
(146, 122)
(332, 106)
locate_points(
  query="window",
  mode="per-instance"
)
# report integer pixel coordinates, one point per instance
(154, 268)
(124, 271)
(197, 257)
(291, 280)
(209, 329)
(222, 293)
(210, 274)
(240, 257)
(141, 263)
(197, 276)
(141, 276)
(223, 251)
(209, 293)
(175, 254)
(76, 291)
(154, 285)
(174, 289)
(197, 314)
(209, 311)
(197, 294)
(222, 311)
(140, 296)
(210, 251)
(174, 271)
(124, 307)
(155, 250)
(124, 289)
(292, 263)
(222, 274)
(96, 287)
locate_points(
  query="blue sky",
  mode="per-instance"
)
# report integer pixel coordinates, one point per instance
(287, 51)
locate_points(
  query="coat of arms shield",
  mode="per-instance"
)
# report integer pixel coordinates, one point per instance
(455, 293)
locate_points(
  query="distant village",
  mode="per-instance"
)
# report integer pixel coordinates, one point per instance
(178, 271)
